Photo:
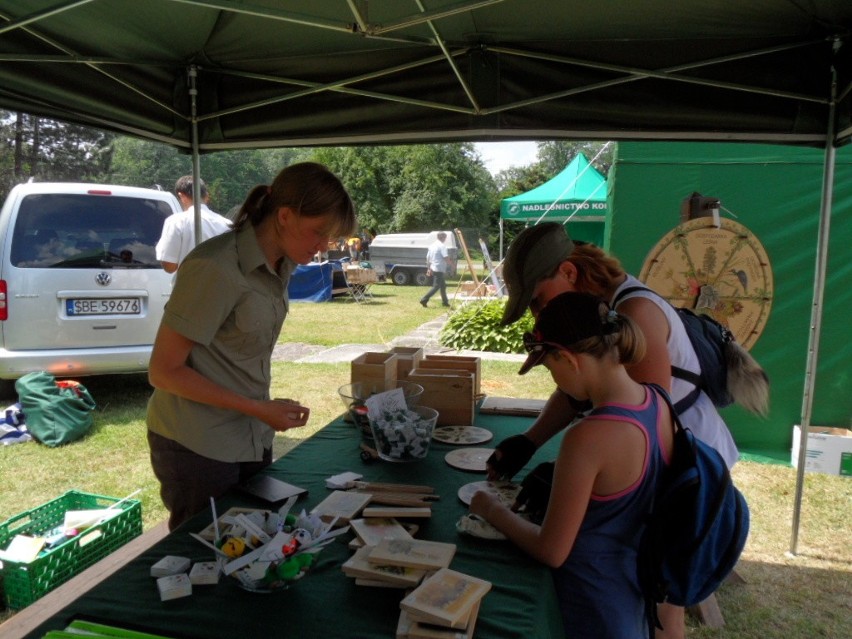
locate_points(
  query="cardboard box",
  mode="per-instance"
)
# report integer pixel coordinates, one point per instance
(829, 450)
(374, 367)
(450, 392)
(456, 362)
(358, 275)
(471, 289)
(408, 358)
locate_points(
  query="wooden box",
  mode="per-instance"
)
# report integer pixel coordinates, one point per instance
(408, 358)
(456, 363)
(375, 368)
(450, 392)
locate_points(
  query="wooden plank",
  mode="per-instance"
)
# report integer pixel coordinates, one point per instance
(27, 619)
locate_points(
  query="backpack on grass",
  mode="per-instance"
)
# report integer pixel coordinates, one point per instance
(56, 411)
(728, 372)
(696, 528)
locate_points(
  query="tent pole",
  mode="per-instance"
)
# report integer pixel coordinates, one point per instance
(500, 223)
(196, 162)
(816, 308)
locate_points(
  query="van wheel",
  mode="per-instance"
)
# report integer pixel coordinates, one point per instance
(421, 279)
(400, 277)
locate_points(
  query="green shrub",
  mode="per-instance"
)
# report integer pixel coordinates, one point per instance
(476, 327)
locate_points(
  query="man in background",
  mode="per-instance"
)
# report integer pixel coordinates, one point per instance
(437, 260)
(178, 237)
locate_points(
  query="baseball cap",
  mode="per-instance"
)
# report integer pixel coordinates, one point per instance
(534, 254)
(567, 319)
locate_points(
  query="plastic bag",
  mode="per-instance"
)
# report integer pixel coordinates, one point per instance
(56, 412)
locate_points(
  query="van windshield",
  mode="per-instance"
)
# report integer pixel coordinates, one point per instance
(59, 230)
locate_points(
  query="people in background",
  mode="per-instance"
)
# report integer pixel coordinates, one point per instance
(178, 236)
(605, 474)
(211, 420)
(543, 262)
(354, 244)
(438, 262)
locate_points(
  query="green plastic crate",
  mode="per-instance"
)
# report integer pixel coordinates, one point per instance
(24, 583)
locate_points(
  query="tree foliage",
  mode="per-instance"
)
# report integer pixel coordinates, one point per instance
(229, 175)
(49, 150)
(415, 187)
(408, 188)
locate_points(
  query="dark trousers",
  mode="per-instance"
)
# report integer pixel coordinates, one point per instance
(188, 480)
(439, 283)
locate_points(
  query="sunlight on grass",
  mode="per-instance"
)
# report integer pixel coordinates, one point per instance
(394, 311)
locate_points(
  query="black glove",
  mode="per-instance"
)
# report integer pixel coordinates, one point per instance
(535, 492)
(515, 452)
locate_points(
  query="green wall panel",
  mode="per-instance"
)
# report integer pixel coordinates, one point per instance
(775, 192)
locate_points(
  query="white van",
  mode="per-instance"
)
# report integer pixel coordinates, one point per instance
(81, 290)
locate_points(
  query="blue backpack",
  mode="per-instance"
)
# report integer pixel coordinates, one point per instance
(718, 352)
(697, 525)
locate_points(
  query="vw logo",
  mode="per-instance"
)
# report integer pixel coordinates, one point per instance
(103, 279)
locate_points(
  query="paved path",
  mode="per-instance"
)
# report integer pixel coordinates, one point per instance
(424, 336)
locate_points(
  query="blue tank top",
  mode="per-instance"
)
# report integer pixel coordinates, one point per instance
(597, 585)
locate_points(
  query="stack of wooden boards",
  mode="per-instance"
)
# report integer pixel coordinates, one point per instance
(372, 499)
(440, 603)
(451, 383)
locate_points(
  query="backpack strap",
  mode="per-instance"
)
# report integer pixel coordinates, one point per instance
(684, 403)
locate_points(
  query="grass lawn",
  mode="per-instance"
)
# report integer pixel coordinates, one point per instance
(784, 597)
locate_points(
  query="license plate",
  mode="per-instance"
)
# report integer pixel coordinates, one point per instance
(109, 306)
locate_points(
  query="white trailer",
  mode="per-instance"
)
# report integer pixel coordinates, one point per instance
(402, 256)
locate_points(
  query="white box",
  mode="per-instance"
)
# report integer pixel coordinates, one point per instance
(174, 587)
(829, 450)
(204, 573)
(170, 565)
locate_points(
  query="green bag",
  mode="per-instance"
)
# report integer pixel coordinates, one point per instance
(55, 412)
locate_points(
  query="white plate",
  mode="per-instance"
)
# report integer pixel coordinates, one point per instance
(472, 459)
(505, 490)
(462, 435)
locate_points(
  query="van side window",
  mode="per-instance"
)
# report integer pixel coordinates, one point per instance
(61, 230)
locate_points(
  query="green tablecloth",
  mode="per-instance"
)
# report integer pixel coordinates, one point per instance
(326, 603)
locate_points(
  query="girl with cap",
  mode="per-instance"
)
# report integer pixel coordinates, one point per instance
(605, 474)
(543, 262)
(210, 419)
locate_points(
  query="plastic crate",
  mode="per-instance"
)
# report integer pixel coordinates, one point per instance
(24, 583)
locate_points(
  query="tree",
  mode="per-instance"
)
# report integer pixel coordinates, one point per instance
(229, 175)
(414, 187)
(49, 150)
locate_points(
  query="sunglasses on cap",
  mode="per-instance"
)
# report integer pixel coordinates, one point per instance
(537, 350)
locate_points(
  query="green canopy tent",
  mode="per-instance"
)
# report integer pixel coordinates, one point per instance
(224, 74)
(576, 196)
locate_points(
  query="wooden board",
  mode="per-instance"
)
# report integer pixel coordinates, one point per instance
(343, 505)
(511, 406)
(412, 553)
(446, 598)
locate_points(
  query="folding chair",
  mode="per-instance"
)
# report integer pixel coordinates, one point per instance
(358, 282)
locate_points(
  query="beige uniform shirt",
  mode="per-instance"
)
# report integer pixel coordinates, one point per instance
(229, 302)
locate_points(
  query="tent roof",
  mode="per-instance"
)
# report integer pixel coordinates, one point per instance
(576, 185)
(579, 181)
(317, 72)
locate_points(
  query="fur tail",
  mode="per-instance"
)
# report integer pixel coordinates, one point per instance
(748, 383)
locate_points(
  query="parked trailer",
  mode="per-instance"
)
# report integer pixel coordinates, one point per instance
(401, 257)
